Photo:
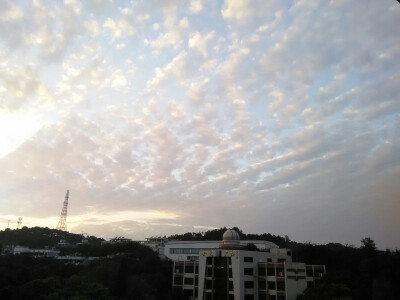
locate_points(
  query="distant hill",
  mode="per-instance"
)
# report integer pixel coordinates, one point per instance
(39, 237)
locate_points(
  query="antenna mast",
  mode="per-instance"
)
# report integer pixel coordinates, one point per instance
(62, 223)
(19, 222)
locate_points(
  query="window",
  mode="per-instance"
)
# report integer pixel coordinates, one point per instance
(280, 272)
(184, 251)
(208, 284)
(189, 281)
(261, 270)
(281, 259)
(271, 271)
(179, 269)
(262, 284)
(178, 280)
(248, 297)
(231, 285)
(192, 258)
(189, 269)
(281, 286)
(271, 285)
(310, 284)
(248, 259)
(188, 292)
(248, 284)
(318, 273)
(248, 271)
(209, 272)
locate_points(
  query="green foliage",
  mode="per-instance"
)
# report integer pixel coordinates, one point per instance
(250, 247)
(216, 235)
(127, 270)
(326, 291)
(366, 276)
(128, 248)
(39, 237)
(368, 245)
(130, 270)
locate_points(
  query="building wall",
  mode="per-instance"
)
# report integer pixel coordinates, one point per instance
(249, 275)
(190, 250)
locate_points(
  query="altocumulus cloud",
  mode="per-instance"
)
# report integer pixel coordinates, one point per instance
(169, 116)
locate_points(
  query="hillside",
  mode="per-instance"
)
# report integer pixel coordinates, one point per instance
(39, 237)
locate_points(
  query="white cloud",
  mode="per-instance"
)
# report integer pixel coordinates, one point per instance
(119, 29)
(200, 43)
(242, 109)
(195, 6)
(237, 10)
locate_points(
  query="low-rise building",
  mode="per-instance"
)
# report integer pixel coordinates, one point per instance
(229, 272)
(157, 244)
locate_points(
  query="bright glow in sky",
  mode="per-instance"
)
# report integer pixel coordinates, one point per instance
(167, 116)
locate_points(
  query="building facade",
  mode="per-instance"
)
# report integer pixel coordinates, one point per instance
(229, 272)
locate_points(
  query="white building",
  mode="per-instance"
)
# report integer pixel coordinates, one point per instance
(229, 272)
(157, 244)
(190, 250)
(21, 250)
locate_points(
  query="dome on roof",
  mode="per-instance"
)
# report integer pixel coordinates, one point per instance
(230, 235)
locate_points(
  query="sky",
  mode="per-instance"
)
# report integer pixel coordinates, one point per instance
(169, 116)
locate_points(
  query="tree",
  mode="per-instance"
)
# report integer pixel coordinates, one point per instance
(368, 244)
(250, 247)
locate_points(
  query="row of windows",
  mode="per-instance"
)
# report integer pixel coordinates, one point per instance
(187, 281)
(188, 269)
(190, 293)
(250, 259)
(270, 271)
(317, 273)
(184, 251)
(272, 285)
(208, 296)
(248, 284)
(262, 295)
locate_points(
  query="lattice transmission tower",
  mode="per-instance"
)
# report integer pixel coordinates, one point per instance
(62, 223)
(19, 222)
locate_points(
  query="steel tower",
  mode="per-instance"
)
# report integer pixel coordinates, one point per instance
(19, 222)
(62, 223)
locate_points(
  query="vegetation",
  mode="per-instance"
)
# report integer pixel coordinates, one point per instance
(126, 270)
(130, 270)
(216, 235)
(39, 237)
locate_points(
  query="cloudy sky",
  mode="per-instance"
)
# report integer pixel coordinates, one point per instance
(168, 116)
